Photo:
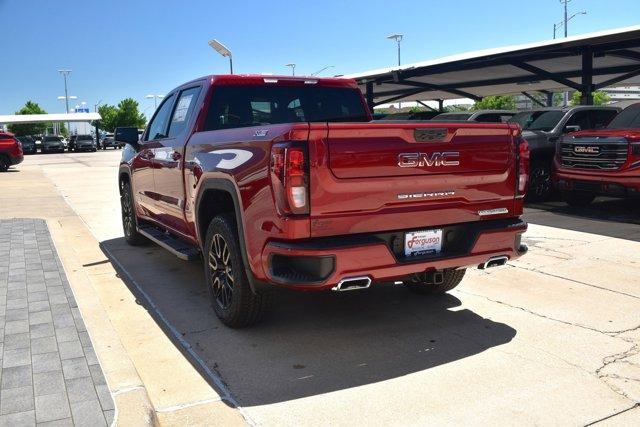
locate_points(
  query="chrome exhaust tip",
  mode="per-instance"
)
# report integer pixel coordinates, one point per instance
(495, 261)
(352, 284)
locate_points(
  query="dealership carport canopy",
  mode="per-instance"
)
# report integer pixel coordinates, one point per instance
(585, 63)
(49, 118)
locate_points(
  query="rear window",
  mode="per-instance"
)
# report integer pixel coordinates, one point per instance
(455, 117)
(52, 138)
(84, 138)
(547, 121)
(241, 106)
(628, 118)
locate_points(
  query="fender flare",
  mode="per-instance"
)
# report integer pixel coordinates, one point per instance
(227, 186)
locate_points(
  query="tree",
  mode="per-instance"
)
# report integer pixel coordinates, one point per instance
(457, 107)
(109, 115)
(128, 115)
(23, 129)
(496, 103)
(599, 98)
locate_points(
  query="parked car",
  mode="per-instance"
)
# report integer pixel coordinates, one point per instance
(10, 151)
(109, 141)
(28, 144)
(52, 143)
(279, 183)
(543, 133)
(38, 140)
(413, 115)
(84, 143)
(601, 162)
(72, 142)
(484, 116)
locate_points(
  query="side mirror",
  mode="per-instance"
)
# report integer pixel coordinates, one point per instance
(573, 128)
(127, 136)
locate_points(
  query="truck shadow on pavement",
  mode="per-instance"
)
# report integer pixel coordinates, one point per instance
(310, 343)
(608, 217)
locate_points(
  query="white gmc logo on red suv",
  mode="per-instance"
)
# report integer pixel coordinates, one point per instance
(586, 150)
(414, 160)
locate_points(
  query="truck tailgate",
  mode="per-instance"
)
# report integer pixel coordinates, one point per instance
(369, 177)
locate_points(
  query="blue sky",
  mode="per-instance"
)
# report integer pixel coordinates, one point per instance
(132, 48)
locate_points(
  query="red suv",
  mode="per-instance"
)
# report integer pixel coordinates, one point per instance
(10, 151)
(602, 162)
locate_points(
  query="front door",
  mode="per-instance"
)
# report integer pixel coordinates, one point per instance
(143, 165)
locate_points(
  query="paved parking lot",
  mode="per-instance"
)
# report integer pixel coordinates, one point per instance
(553, 338)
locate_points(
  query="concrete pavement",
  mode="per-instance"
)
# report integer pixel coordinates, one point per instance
(552, 338)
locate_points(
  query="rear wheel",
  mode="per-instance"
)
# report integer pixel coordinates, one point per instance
(578, 199)
(129, 221)
(540, 186)
(451, 279)
(232, 298)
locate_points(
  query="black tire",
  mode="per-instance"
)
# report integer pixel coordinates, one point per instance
(4, 164)
(129, 220)
(451, 279)
(578, 199)
(232, 299)
(540, 184)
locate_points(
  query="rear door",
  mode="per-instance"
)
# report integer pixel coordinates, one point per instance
(168, 158)
(395, 176)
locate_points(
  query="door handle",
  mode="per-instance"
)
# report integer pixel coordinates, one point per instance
(147, 155)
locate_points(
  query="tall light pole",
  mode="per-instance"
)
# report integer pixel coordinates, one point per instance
(322, 69)
(224, 51)
(398, 39)
(561, 23)
(64, 74)
(155, 99)
(293, 68)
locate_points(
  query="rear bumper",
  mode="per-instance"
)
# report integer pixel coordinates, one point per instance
(16, 160)
(319, 264)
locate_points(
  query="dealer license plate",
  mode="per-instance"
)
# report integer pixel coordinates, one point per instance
(424, 242)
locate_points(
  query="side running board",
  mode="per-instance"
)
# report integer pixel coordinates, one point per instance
(170, 243)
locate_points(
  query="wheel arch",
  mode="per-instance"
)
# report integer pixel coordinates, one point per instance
(227, 195)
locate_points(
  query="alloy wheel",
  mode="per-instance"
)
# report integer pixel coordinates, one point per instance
(221, 271)
(541, 180)
(127, 213)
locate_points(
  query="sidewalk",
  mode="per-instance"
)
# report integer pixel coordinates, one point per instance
(151, 381)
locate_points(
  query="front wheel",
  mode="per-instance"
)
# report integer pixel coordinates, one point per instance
(451, 279)
(4, 164)
(129, 221)
(578, 199)
(232, 298)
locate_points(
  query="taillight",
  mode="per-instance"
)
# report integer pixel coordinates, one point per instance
(290, 177)
(523, 166)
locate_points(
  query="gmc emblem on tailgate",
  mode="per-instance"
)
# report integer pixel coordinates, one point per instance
(415, 160)
(579, 149)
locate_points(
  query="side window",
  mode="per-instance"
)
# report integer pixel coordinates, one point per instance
(580, 118)
(183, 111)
(158, 126)
(601, 118)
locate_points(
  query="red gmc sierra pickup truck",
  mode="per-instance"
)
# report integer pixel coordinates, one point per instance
(286, 181)
(601, 162)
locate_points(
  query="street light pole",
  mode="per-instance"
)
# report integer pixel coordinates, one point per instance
(222, 50)
(322, 69)
(293, 68)
(65, 73)
(398, 39)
